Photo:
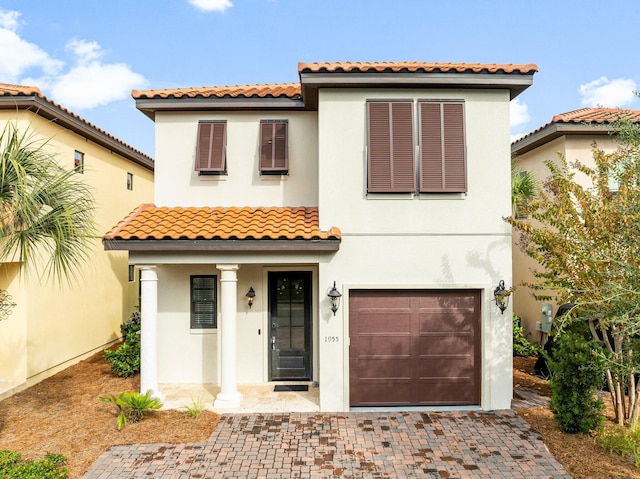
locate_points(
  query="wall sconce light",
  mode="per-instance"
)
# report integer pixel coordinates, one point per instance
(501, 296)
(251, 294)
(334, 296)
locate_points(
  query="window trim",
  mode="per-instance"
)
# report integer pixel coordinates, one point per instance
(270, 162)
(215, 162)
(193, 325)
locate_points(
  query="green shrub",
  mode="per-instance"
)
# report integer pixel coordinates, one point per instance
(51, 467)
(576, 376)
(132, 406)
(521, 345)
(622, 441)
(125, 361)
(195, 408)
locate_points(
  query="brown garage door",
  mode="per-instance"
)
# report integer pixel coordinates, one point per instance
(418, 347)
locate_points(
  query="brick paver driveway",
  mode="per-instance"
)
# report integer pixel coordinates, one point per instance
(344, 445)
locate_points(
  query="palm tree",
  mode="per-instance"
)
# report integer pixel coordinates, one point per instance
(46, 211)
(524, 188)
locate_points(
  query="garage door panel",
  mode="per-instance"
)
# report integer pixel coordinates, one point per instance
(445, 367)
(447, 392)
(419, 347)
(384, 369)
(445, 321)
(379, 321)
(398, 394)
(445, 345)
(383, 345)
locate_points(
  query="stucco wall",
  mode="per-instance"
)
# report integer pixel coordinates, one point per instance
(64, 323)
(573, 147)
(178, 184)
(431, 242)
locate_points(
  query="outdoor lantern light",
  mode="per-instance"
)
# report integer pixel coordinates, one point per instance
(251, 294)
(501, 296)
(334, 295)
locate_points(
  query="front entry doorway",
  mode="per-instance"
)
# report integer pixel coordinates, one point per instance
(290, 326)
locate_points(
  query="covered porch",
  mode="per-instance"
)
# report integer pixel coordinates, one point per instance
(203, 335)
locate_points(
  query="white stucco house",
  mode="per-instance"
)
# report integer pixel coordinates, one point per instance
(573, 135)
(387, 181)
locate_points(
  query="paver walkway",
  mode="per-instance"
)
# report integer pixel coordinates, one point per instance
(438, 445)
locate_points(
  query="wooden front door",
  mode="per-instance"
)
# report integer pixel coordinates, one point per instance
(290, 325)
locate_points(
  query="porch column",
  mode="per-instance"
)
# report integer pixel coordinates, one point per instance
(228, 397)
(149, 331)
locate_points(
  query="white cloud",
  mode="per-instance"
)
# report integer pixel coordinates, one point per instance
(18, 56)
(88, 83)
(211, 5)
(95, 84)
(85, 51)
(519, 112)
(608, 93)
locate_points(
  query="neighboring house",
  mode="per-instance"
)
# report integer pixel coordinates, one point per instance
(53, 326)
(388, 181)
(572, 135)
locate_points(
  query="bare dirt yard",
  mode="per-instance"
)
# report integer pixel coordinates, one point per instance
(63, 415)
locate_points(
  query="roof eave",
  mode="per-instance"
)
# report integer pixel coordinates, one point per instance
(516, 83)
(556, 130)
(47, 110)
(231, 246)
(149, 106)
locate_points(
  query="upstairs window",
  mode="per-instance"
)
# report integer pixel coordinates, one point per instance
(274, 158)
(130, 181)
(211, 148)
(203, 302)
(78, 161)
(391, 161)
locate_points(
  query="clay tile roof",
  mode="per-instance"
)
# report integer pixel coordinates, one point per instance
(9, 90)
(595, 115)
(379, 67)
(270, 90)
(148, 222)
(599, 116)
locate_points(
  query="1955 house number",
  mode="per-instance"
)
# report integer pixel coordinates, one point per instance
(331, 339)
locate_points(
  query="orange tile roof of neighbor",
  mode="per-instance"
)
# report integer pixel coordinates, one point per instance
(48, 108)
(584, 117)
(416, 67)
(596, 115)
(148, 222)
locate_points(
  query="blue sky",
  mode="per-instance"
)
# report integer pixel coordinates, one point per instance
(89, 55)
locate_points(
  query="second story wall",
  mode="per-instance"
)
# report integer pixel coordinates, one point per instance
(178, 184)
(345, 201)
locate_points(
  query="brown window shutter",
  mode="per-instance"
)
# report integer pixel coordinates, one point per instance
(391, 166)
(442, 147)
(210, 148)
(273, 146)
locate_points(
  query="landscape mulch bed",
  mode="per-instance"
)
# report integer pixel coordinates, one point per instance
(63, 415)
(578, 453)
